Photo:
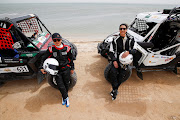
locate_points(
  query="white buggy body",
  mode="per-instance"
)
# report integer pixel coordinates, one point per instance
(157, 40)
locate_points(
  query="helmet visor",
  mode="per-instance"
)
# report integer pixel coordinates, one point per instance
(53, 67)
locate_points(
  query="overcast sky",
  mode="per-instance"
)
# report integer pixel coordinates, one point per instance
(176, 2)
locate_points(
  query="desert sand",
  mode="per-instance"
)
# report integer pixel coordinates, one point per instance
(157, 97)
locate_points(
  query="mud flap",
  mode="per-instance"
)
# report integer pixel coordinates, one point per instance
(139, 74)
(40, 77)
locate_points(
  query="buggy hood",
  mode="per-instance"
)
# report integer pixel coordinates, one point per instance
(156, 17)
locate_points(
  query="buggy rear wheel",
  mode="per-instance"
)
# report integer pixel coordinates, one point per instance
(52, 81)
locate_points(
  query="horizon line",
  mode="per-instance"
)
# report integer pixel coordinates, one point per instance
(92, 3)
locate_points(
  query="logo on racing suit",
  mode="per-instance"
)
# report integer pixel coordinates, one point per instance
(55, 54)
(64, 53)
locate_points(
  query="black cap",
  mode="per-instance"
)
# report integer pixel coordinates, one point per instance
(56, 36)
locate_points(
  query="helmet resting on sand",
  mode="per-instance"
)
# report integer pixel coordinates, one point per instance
(50, 65)
(127, 60)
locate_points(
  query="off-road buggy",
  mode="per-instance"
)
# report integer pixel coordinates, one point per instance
(157, 41)
(23, 40)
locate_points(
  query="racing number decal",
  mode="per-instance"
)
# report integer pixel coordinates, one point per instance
(17, 69)
(22, 69)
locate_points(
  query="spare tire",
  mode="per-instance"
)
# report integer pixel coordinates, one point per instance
(125, 73)
(52, 81)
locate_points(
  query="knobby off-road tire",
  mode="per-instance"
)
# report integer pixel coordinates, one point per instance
(75, 52)
(52, 82)
(125, 73)
(102, 51)
(107, 72)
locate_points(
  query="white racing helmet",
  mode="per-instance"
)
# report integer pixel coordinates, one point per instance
(50, 65)
(127, 60)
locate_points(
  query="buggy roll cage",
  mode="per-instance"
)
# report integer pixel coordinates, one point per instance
(14, 22)
(176, 12)
(19, 19)
(174, 16)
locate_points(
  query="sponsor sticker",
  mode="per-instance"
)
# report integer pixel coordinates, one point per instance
(148, 16)
(20, 60)
(169, 59)
(155, 17)
(11, 61)
(35, 42)
(156, 56)
(7, 69)
(64, 53)
(3, 64)
(164, 57)
(17, 69)
(42, 39)
(152, 62)
(28, 55)
(43, 34)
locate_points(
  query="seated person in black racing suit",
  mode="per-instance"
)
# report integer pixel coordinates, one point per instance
(119, 44)
(63, 54)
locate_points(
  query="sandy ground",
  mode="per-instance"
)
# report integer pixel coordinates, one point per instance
(157, 97)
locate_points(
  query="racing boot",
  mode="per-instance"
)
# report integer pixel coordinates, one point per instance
(67, 102)
(63, 101)
(114, 94)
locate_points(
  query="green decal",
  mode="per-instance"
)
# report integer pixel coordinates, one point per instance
(28, 55)
(148, 16)
(43, 34)
(35, 42)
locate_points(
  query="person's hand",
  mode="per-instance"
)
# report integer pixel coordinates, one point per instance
(115, 64)
(43, 71)
(125, 54)
(72, 71)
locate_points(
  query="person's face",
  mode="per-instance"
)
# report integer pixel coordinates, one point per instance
(123, 30)
(57, 42)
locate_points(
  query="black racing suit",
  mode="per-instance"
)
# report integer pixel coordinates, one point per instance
(116, 48)
(65, 58)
